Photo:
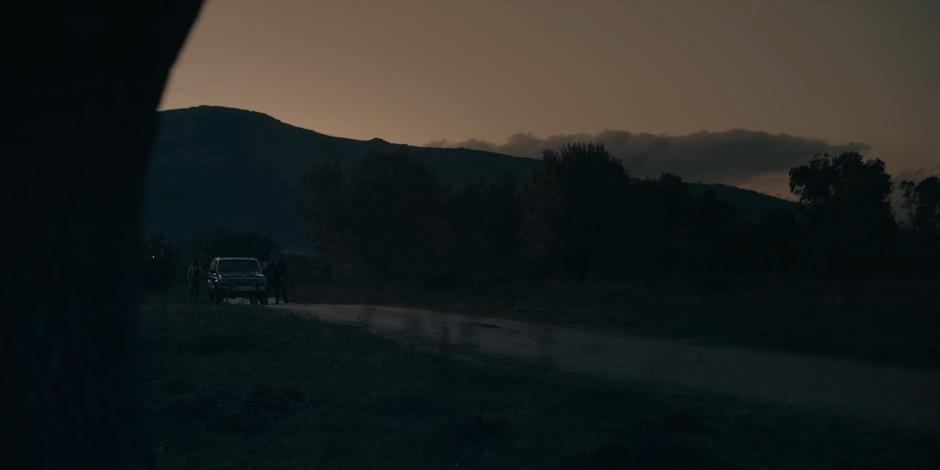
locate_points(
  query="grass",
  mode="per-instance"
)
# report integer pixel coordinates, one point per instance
(243, 387)
(894, 324)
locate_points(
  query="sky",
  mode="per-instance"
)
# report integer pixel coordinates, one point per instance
(675, 86)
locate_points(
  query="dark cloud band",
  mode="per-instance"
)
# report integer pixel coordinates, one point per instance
(738, 157)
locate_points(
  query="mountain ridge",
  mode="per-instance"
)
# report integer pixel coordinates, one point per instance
(219, 166)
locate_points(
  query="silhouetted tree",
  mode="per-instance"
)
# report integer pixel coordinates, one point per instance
(921, 201)
(846, 202)
(396, 217)
(573, 212)
(781, 236)
(846, 187)
(484, 220)
(325, 209)
(386, 223)
(713, 246)
(220, 241)
(919, 249)
(580, 216)
(661, 210)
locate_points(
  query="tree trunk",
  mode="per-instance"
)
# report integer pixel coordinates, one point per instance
(83, 81)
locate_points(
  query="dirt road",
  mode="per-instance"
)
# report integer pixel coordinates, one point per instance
(902, 397)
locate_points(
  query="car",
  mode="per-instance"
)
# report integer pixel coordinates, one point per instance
(231, 277)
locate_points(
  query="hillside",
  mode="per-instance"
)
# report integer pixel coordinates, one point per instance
(215, 166)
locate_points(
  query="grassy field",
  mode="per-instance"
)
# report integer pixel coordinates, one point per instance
(234, 386)
(895, 324)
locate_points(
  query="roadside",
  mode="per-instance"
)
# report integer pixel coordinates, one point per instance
(237, 386)
(895, 324)
(895, 396)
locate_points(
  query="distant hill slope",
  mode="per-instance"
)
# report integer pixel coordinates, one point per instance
(748, 204)
(215, 166)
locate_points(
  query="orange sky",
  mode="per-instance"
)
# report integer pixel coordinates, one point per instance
(414, 72)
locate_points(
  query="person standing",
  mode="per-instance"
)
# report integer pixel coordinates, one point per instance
(279, 278)
(194, 277)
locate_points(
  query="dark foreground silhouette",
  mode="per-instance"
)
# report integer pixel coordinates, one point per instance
(82, 81)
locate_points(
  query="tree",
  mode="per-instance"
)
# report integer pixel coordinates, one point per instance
(847, 188)
(846, 203)
(713, 246)
(82, 81)
(920, 251)
(385, 223)
(221, 241)
(781, 237)
(922, 204)
(324, 207)
(396, 214)
(661, 207)
(574, 220)
(484, 219)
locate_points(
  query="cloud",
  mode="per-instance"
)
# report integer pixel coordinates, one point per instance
(916, 174)
(750, 159)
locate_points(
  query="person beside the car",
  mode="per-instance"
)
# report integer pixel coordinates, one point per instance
(279, 277)
(193, 276)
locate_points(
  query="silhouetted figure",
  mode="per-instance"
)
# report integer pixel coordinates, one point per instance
(194, 278)
(278, 278)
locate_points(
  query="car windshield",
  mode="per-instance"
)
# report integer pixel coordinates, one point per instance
(239, 266)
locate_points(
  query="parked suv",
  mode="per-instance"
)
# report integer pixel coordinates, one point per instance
(237, 277)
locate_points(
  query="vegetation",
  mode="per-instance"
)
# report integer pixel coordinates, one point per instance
(239, 387)
(922, 203)
(579, 217)
(215, 166)
(165, 263)
(847, 225)
(580, 242)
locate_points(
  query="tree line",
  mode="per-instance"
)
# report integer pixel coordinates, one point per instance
(579, 216)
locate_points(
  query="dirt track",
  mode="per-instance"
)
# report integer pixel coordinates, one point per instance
(903, 397)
